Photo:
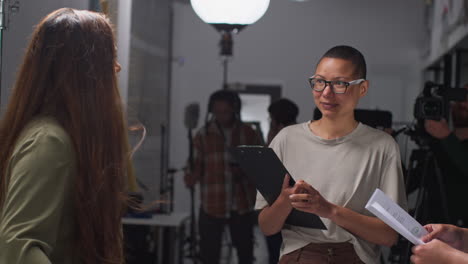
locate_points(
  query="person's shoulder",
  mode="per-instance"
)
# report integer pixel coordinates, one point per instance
(45, 132)
(47, 128)
(296, 128)
(292, 130)
(376, 137)
(289, 137)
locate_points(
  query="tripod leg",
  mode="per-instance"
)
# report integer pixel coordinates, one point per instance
(443, 194)
(422, 190)
(419, 208)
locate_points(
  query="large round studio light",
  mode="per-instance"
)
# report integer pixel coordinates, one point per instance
(228, 17)
(230, 12)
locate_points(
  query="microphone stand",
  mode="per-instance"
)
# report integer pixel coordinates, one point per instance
(193, 234)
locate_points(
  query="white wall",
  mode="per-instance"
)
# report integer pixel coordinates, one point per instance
(16, 38)
(447, 28)
(124, 17)
(284, 46)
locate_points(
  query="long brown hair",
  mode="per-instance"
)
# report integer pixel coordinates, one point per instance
(68, 73)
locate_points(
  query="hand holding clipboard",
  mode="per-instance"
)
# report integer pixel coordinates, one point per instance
(267, 172)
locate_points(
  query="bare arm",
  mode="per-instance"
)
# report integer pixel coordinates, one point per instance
(271, 219)
(369, 228)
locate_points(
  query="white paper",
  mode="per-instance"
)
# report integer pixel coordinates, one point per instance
(393, 215)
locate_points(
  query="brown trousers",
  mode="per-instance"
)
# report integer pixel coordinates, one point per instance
(326, 253)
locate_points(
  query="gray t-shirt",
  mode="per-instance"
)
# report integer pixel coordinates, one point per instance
(346, 171)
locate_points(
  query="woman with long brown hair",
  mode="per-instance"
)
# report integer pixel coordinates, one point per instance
(64, 150)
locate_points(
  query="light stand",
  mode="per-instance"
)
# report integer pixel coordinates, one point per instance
(226, 45)
(227, 17)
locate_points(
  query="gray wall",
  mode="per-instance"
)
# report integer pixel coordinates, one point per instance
(17, 36)
(283, 48)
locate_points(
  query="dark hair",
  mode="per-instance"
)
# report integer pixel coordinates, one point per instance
(68, 73)
(284, 111)
(351, 54)
(230, 97)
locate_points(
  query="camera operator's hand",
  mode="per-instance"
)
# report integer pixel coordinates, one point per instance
(437, 129)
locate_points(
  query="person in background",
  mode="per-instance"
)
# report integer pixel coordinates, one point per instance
(65, 153)
(448, 243)
(283, 113)
(451, 150)
(227, 194)
(337, 164)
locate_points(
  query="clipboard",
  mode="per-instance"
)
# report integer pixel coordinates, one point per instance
(264, 168)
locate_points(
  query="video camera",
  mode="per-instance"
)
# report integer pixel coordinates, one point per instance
(434, 100)
(433, 104)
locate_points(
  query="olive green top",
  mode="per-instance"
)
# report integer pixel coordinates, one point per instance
(36, 222)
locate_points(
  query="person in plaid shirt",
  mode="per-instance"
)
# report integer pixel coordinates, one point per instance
(227, 194)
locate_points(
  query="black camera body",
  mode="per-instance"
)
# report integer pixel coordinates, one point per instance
(434, 101)
(429, 108)
(433, 104)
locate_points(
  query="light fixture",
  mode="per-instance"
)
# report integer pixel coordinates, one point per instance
(229, 16)
(230, 13)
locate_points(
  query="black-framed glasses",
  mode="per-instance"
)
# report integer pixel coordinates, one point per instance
(338, 87)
